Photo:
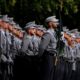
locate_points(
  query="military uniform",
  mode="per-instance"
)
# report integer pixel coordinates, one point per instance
(4, 58)
(47, 49)
(78, 62)
(66, 69)
(9, 54)
(28, 51)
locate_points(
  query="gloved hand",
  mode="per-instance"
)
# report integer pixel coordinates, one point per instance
(10, 60)
(3, 58)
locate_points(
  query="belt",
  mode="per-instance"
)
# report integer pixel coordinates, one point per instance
(65, 59)
(50, 53)
(77, 59)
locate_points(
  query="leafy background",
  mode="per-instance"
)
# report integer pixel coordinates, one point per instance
(23, 11)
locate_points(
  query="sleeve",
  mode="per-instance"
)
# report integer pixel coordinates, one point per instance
(44, 43)
(3, 42)
(0, 44)
(0, 41)
(25, 43)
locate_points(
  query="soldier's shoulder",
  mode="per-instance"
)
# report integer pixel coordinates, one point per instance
(47, 35)
(26, 36)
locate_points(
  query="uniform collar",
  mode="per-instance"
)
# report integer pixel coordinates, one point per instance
(34, 37)
(51, 30)
(29, 36)
(3, 32)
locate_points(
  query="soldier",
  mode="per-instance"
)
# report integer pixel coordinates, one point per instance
(31, 31)
(40, 30)
(5, 55)
(67, 65)
(1, 46)
(16, 40)
(77, 55)
(47, 48)
(14, 43)
(13, 47)
(27, 50)
(78, 61)
(37, 37)
(60, 67)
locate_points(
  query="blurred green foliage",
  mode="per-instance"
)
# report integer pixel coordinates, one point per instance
(26, 10)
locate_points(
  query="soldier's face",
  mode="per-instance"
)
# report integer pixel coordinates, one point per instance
(21, 35)
(72, 41)
(17, 32)
(77, 40)
(10, 27)
(5, 25)
(32, 31)
(14, 30)
(39, 32)
(52, 25)
(0, 22)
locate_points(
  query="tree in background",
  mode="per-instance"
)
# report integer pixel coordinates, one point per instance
(26, 10)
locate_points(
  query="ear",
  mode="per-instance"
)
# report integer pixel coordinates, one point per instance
(49, 24)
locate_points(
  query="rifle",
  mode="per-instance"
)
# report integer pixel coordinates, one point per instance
(59, 33)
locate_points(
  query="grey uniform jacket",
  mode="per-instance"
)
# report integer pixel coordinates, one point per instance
(27, 46)
(35, 42)
(13, 48)
(48, 43)
(3, 45)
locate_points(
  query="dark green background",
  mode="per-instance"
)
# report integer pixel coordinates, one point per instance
(24, 11)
